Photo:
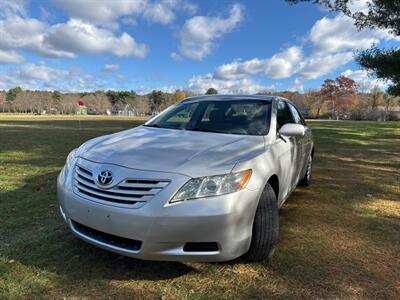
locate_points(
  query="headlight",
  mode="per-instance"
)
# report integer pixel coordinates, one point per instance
(212, 186)
(70, 159)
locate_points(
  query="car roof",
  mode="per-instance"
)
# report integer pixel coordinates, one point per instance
(220, 97)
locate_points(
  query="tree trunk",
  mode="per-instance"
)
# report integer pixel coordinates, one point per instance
(386, 111)
(318, 110)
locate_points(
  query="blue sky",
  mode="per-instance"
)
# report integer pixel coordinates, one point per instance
(234, 46)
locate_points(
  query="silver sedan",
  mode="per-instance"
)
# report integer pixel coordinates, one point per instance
(202, 181)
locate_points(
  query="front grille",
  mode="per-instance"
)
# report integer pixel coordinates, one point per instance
(107, 238)
(128, 192)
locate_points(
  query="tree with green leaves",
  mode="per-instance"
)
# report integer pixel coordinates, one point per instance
(121, 97)
(157, 100)
(383, 64)
(383, 14)
(211, 91)
(57, 97)
(11, 96)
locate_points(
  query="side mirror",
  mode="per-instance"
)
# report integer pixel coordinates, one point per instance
(292, 130)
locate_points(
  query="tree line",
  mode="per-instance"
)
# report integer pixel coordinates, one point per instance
(338, 98)
(341, 98)
(17, 100)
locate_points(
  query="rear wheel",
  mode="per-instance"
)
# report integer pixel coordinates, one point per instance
(306, 180)
(265, 227)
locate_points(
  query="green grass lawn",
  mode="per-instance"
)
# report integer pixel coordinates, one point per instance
(340, 238)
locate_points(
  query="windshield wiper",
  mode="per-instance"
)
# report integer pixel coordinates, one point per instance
(153, 125)
(205, 130)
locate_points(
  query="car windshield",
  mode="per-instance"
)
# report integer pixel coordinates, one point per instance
(248, 117)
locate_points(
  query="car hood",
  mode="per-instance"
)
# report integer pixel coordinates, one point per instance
(192, 153)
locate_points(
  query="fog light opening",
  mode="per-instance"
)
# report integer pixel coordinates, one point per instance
(201, 247)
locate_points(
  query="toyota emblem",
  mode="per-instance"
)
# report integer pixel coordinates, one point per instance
(105, 177)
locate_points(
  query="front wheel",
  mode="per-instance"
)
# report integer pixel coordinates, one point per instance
(265, 227)
(306, 180)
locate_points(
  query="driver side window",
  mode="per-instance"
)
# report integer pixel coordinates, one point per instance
(296, 115)
(284, 115)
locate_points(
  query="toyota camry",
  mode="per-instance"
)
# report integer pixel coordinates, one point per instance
(201, 181)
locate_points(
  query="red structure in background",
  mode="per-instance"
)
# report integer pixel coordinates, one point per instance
(82, 110)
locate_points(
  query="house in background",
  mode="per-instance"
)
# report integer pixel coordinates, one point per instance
(81, 109)
(124, 110)
(387, 113)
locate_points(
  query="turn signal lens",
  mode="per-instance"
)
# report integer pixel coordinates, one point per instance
(245, 179)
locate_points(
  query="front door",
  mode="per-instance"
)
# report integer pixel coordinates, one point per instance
(289, 151)
(303, 142)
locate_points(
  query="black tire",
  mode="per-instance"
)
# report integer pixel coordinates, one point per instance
(306, 180)
(265, 227)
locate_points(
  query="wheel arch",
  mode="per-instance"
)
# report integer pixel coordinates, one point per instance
(274, 182)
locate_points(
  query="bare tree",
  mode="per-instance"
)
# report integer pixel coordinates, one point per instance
(3, 100)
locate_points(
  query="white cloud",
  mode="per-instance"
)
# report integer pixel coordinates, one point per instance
(158, 12)
(245, 85)
(12, 8)
(332, 35)
(199, 34)
(31, 76)
(107, 13)
(79, 37)
(41, 76)
(237, 76)
(185, 6)
(110, 68)
(358, 5)
(332, 41)
(319, 65)
(297, 86)
(20, 33)
(164, 11)
(10, 57)
(175, 56)
(89, 30)
(281, 65)
(130, 21)
(40, 72)
(356, 75)
(101, 12)
(364, 81)
(65, 39)
(148, 88)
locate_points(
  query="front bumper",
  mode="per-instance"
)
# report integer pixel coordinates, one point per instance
(163, 228)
